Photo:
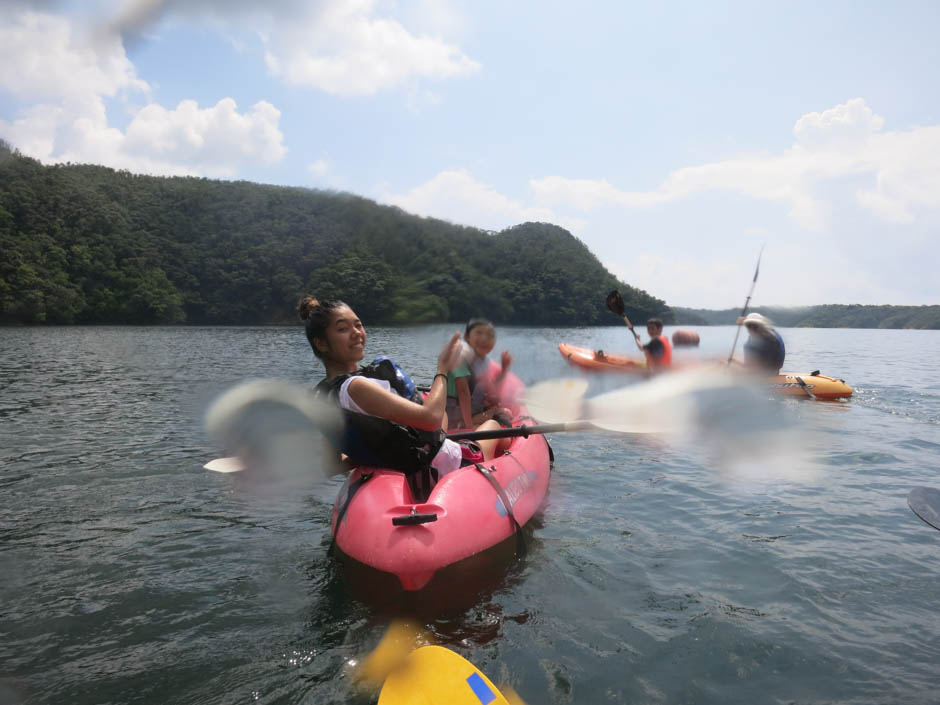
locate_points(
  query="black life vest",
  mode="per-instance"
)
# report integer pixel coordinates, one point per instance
(370, 440)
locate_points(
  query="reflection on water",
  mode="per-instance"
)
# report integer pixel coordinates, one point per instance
(712, 569)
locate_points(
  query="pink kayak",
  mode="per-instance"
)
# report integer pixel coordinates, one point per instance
(382, 526)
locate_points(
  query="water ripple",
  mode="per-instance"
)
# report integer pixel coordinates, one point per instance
(656, 574)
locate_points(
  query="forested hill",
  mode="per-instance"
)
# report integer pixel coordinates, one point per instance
(87, 244)
(828, 316)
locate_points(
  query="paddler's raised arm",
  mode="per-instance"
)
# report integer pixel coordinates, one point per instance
(388, 405)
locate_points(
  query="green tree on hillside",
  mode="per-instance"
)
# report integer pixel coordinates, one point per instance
(88, 244)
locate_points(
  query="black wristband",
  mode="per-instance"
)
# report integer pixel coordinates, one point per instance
(439, 374)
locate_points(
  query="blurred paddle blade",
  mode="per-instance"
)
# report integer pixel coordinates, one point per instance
(392, 651)
(276, 427)
(726, 418)
(512, 697)
(670, 403)
(263, 397)
(925, 503)
(556, 400)
(666, 403)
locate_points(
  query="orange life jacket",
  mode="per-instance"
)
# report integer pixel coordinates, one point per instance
(666, 359)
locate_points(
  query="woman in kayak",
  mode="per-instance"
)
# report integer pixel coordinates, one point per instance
(764, 350)
(386, 425)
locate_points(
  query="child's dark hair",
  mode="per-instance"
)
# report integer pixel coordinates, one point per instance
(658, 322)
(476, 323)
(316, 316)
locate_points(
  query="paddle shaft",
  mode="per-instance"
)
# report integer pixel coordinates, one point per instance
(746, 302)
(524, 431)
(635, 334)
(236, 464)
(616, 306)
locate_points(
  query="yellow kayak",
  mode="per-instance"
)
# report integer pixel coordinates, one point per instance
(412, 672)
(432, 675)
(811, 384)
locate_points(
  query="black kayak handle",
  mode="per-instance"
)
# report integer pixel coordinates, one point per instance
(414, 518)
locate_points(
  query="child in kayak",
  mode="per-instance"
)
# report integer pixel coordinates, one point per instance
(385, 426)
(658, 351)
(472, 391)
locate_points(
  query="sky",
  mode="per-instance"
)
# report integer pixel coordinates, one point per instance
(676, 140)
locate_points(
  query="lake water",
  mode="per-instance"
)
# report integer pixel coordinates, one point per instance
(130, 575)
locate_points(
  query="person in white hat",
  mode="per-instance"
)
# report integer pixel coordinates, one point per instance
(764, 349)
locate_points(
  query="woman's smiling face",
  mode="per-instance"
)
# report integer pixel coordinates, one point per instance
(345, 337)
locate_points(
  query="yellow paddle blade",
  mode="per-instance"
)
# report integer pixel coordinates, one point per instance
(511, 695)
(399, 641)
(433, 675)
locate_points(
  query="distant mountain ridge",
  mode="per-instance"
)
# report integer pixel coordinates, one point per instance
(824, 316)
(88, 244)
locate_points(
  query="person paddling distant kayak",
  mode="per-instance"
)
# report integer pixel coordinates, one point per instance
(764, 350)
(658, 351)
(387, 425)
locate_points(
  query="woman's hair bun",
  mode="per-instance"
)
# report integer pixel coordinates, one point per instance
(306, 306)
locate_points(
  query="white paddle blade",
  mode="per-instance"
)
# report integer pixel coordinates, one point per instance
(556, 400)
(230, 464)
(266, 395)
(276, 427)
(670, 403)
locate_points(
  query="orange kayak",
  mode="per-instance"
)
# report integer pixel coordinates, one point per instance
(600, 361)
(798, 384)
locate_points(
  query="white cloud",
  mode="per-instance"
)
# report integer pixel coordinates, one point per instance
(844, 141)
(790, 274)
(759, 177)
(682, 282)
(188, 140)
(43, 56)
(343, 48)
(318, 168)
(439, 17)
(213, 141)
(907, 176)
(34, 131)
(62, 73)
(47, 57)
(456, 196)
(850, 122)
